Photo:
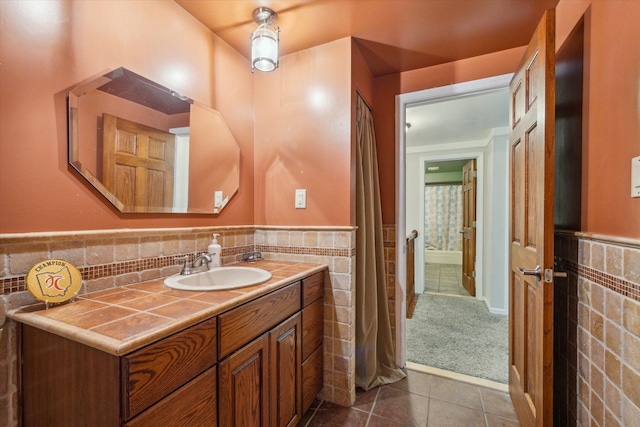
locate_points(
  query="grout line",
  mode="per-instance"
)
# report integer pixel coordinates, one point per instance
(484, 412)
(429, 400)
(372, 407)
(314, 413)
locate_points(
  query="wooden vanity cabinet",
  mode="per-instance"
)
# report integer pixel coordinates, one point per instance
(261, 382)
(65, 383)
(258, 364)
(273, 379)
(312, 336)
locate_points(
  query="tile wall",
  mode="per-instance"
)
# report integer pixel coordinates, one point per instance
(565, 319)
(118, 257)
(389, 239)
(600, 336)
(336, 248)
(607, 316)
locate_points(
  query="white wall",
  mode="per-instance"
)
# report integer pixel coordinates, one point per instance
(496, 205)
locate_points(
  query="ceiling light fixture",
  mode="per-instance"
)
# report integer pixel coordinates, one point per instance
(265, 40)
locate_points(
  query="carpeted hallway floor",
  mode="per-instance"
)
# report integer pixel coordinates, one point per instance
(458, 334)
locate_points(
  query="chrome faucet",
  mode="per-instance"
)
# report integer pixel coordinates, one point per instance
(199, 264)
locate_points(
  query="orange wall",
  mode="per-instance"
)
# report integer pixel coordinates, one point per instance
(387, 87)
(302, 113)
(362, 82)
(303, 137)
(611, 113)
(47, 47)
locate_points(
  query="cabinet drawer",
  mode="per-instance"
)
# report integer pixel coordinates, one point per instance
(312, 328)
(312, 378)
(155, 371)
(240, 325)
(194, 404)
(312, 288)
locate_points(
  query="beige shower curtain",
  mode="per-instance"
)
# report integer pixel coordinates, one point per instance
(375, 360)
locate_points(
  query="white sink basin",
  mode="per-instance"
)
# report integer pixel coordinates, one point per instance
(219, 278)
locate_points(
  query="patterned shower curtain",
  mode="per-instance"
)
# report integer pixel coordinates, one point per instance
(443, 209)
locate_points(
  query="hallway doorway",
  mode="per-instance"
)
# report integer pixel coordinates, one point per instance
(487, 152)
(449, 226)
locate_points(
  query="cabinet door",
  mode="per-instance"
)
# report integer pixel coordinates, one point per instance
(244, 385)
(285, 366)
(311, 378)
(312, 328)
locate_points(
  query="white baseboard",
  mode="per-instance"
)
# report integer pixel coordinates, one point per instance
(502, 311)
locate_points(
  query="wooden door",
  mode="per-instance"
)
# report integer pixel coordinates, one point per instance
(285, 372)
(243, 387)
(137, 164)
(532, 104)
(469, 227)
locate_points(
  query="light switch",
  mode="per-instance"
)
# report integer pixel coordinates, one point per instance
(635, 177)
(301, 198)
(217, 199)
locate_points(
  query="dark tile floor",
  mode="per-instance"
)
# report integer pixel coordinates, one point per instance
(419, 400)
(444, 279)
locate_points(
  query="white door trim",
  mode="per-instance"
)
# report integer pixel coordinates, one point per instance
(402, 101)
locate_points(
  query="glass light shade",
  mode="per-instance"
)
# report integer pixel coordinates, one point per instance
(264, 48)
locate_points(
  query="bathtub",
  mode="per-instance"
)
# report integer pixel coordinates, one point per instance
(442, 257)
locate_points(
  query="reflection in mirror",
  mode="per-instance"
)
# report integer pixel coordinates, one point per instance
(147, 148)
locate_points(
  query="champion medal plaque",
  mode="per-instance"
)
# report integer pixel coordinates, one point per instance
(54, 281)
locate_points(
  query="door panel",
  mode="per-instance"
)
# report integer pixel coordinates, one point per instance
(469, 227)
(138, 163)
(285, 351)
(243, 386)
(531, 294)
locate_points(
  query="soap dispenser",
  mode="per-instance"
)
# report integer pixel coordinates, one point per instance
(215, 251)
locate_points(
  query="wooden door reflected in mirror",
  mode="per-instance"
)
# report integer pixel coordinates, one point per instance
(147, 148)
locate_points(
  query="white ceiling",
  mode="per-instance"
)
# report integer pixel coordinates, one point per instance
(461, 119)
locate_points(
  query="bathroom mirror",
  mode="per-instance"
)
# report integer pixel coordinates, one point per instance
(147, 148)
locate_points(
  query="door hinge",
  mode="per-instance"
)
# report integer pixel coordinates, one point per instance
(473, 273)
(475, 174)
(473, 224)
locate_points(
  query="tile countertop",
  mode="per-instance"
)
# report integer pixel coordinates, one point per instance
(123, 319)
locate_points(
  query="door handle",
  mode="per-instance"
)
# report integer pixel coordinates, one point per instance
(531, 272)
